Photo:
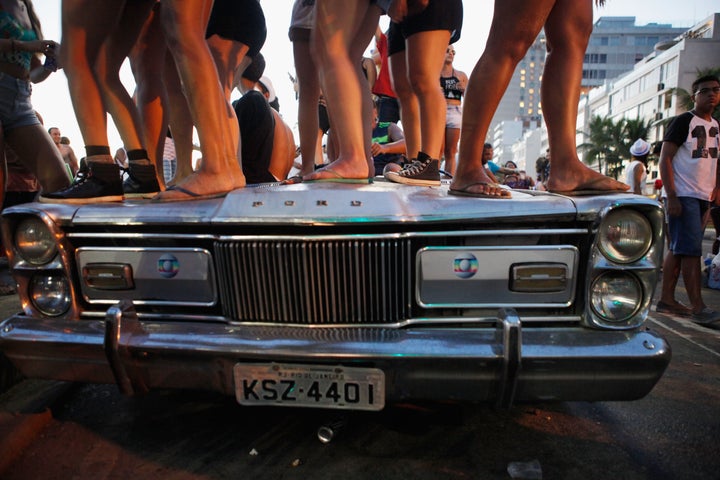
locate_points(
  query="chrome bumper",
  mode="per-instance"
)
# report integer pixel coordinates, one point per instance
(502, 365)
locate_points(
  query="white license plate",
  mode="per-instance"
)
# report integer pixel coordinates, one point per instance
(309, 386)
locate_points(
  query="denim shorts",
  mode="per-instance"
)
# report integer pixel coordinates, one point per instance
(453, 116)
(686, 231)
(16, 110)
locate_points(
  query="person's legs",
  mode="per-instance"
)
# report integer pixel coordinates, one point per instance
(515, 25)
(147, 59)
(308, 96)
(568, 28)
(85, 26)
(686, 234)
(425, 57)
(143, 180)
(670, 277)
(409, 104)
(185, 22)
(452, 136)
(113, 53)
(692, 278)
(228, 55)
(339, 29)
(180, 120)
(37, 152)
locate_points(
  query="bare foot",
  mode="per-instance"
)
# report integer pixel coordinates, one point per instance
(349, 169)
(581, 178)
(199, 185)
(478, 183)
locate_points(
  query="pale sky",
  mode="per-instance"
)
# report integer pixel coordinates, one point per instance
(51, 97)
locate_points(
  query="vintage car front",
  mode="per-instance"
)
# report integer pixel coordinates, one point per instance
(342, 296)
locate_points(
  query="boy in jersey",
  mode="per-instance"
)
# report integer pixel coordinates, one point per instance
(688, 168)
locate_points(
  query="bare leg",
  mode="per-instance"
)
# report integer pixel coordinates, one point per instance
(147, 59)
(340, 28)
(185, 22)
(116, 48)
(228, 55)
(180, 120)
(409, 105)
(670, 276)
(36, 150)
(568, 29)
(308, 96)
(85, 25)
(452, 135)
(425, 57)
(690, 268)
(515, 26)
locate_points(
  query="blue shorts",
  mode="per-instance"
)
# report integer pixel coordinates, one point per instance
(686, 231)
(16, 110)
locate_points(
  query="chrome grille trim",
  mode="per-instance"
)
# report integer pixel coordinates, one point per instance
(340, 281)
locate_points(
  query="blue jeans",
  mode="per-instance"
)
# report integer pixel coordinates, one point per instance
(686, 230)
(16, 109)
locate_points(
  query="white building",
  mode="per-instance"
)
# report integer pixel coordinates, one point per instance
(505, 135)
(525, 152)
(649, 91)
(617, 44)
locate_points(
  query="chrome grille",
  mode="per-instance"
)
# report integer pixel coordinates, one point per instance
(354, 281)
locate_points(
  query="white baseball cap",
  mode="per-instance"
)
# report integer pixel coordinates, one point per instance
(269, 87)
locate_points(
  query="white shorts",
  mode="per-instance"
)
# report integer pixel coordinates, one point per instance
(453, 116)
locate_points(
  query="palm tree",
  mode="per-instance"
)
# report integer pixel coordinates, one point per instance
(685, 98)
(598, 149)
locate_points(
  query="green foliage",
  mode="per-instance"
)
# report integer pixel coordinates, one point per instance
(609, 143)
(684, 97)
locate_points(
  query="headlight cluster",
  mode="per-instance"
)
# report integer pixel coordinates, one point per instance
(617, 293)
(48, 288)
(34, 241)
(625, 236)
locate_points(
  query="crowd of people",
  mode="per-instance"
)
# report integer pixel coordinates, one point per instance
(188, 56)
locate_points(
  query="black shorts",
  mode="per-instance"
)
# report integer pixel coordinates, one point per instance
(239, 20)
(439, 15)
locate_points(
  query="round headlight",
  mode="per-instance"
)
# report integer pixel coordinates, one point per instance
(625, 236)
(50, 293)
(616, 296)
(34, 242)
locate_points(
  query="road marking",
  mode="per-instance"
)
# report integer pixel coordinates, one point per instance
(689, 339)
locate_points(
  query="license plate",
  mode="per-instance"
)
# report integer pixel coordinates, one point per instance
(309, 386)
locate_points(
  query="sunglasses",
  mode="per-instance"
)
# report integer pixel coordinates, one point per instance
(705, 91)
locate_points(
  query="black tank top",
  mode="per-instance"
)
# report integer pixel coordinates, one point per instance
(451, 87)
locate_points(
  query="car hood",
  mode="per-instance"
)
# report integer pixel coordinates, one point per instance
(326, 204)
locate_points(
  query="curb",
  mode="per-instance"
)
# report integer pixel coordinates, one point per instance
(24, 413)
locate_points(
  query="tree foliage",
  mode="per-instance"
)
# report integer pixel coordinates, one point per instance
(609, 143)
(684, 97)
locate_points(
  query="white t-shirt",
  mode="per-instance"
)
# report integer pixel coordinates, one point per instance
(695, 163)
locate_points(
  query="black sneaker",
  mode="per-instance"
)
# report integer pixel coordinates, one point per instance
(94, 183)
(424, 171)
(141, 182)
